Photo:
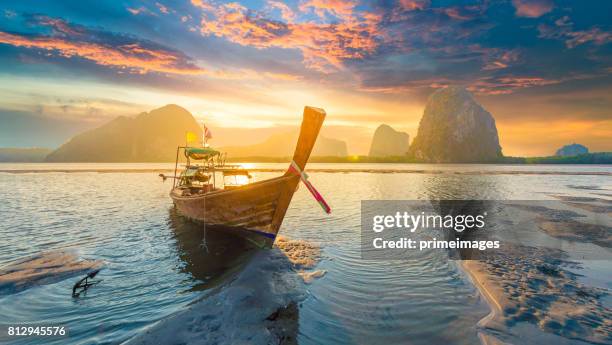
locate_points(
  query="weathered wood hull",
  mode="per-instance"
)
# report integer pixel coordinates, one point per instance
(259, 207)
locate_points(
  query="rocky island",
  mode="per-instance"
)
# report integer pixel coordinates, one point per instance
(148, 137)
(456, 129)
(572, 150)
(388, 142)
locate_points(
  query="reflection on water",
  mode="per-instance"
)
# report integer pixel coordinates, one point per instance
(208, 254)
(156, 263)
(257, 306)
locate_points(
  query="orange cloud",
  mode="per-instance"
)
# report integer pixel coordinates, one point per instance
(338, 8)
(532, 8)
(59, 26)
(286, 12)
(507, 85)
(132, 57)
(324, 46)
(500, 60)
(282, 76)
(411, 5)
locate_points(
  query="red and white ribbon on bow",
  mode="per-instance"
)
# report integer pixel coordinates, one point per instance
(304, 177)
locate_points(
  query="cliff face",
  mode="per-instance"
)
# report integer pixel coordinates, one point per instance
(572, 150)
(388, 142)
(148, 137)
(455, 129)
(283, 145)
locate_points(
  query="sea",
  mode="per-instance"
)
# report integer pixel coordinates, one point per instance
(155, 263)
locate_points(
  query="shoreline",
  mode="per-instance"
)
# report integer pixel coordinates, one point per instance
(469, 269)
(319, 170)
(534, 298)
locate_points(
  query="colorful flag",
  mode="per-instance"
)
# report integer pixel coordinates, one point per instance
(207, 133)
(191, 137)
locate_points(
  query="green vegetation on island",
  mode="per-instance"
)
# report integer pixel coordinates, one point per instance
(589, 158)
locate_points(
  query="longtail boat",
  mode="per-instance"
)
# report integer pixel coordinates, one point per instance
(222, 195)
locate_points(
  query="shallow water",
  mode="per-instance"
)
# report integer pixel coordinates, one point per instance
(156, 263)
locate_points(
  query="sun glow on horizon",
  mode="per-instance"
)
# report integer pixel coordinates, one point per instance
(255, 65)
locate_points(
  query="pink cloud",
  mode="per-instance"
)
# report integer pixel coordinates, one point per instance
(286, 12)
(70, 40)
(163, 9)
(324, 46)
(411, 5)
(140, 10)
(532, 8)
(595, 35)
(500, 59)
(563, 30)
(338, 8)
(132, 57)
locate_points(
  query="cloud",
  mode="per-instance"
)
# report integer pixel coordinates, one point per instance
(140, 10)
(251, 74)
(163, 9)
(116, 51)
(595, 35)
(287, 14)
(500, 59)
(324, 46)
(338, 8)
(563, 30)
(508, 84)
(411, 5)
(532, 8)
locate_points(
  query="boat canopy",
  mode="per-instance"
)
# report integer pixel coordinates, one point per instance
(201, 153)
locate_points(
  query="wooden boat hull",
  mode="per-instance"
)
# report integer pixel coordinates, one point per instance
(259, 207)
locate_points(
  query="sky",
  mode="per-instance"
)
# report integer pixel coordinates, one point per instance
(543, 68)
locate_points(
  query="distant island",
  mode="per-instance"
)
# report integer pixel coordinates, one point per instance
(36, 155)
(148, 137)
(454, 129)
(388, 142)
(572, 150)
(589, 158)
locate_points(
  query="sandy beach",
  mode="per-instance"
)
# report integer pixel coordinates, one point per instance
(528, 287)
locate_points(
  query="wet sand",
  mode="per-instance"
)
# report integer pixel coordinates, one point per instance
(303, 255)
(591, 204)
(537, 290)
(43, 268)
(538, 287)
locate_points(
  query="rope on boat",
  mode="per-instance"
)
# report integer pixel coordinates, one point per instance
(304, 177)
